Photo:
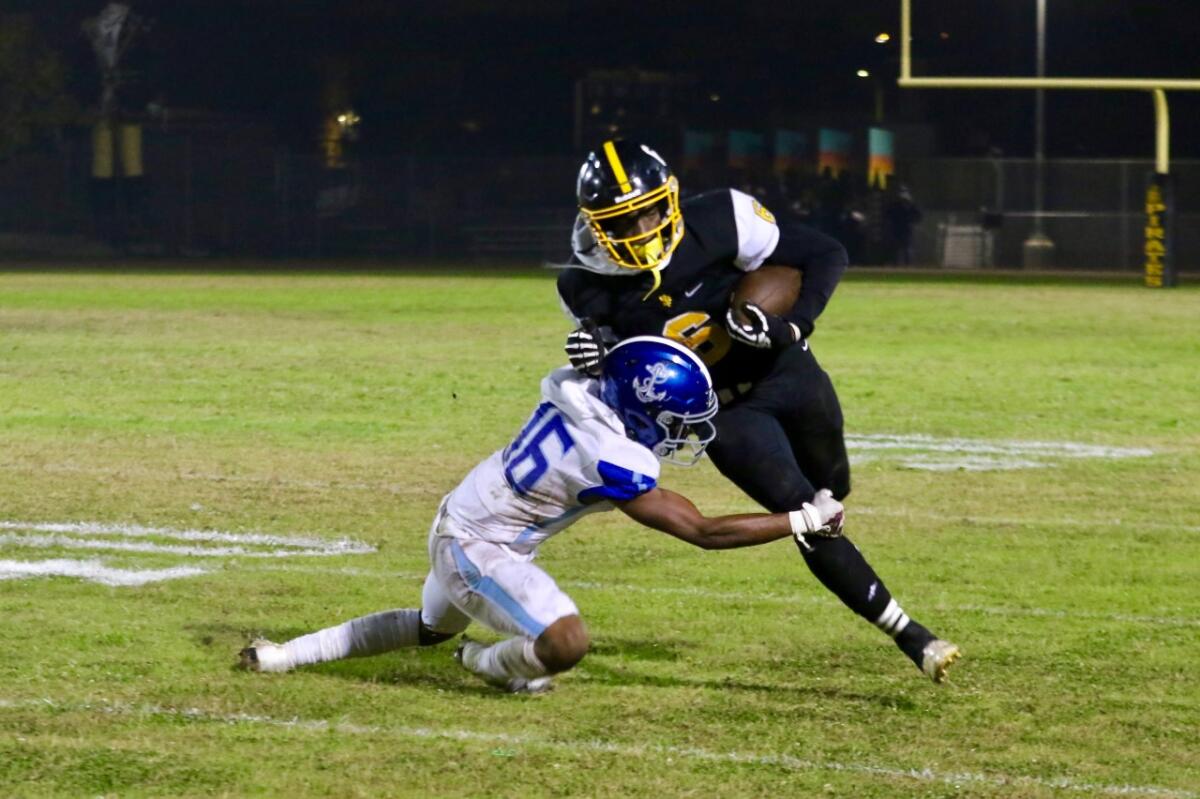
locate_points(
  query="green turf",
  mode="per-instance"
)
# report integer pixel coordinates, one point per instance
(345, 405)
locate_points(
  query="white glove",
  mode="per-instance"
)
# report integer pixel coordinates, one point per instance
(763, 330)
(823, 516)
(585, 349)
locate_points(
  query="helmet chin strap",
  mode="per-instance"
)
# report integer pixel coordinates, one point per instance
(657, 272)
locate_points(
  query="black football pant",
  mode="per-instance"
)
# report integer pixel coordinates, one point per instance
(783, 442)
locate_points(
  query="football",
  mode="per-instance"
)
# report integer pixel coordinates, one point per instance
(775, 289)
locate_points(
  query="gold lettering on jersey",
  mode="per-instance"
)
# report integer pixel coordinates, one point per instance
(697, 332)
(666, 300)
(761, 210)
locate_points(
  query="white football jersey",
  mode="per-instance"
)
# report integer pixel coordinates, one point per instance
(571, 458)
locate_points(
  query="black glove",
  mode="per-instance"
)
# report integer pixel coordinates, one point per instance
(763, 330)
(585, 348)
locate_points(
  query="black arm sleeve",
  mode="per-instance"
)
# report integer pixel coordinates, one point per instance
(821, 260)
(581, 294)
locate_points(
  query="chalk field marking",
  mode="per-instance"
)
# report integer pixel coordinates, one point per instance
(311, 546)
(287, 544)
(928, 453)
(73, 542)
(92, 570)
(95, 536)
(643, 751)
(1010, 521)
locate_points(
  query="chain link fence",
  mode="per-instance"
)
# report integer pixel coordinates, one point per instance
(1093, 210)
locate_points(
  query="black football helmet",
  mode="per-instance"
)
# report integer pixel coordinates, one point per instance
(620, 185)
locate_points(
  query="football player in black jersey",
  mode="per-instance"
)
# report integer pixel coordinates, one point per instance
(646, 264)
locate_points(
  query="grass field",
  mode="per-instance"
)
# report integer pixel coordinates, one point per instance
(263, 454)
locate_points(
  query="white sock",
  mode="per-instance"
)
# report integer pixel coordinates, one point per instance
(366, 635)
(513, 657)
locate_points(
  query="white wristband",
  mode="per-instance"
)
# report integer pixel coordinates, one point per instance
(805, 520)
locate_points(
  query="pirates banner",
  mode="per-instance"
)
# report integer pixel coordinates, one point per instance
(1159, 249)
(881, 159)
(746, 148)
(791, 148)
(833, 151)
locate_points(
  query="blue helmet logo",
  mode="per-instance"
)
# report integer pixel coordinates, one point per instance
(664, 396)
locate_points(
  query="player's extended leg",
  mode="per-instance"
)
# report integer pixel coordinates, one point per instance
(755, 452)
(512, 596)
(437, 621)
(815, 430)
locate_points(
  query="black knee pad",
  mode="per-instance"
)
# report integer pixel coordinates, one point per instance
(428, 637)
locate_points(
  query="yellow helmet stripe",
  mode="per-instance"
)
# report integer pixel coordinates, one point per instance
(610, 151)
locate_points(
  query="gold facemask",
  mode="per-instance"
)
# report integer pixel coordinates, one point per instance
(644, 249)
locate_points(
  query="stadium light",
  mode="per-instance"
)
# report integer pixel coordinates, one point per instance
(862, 73)
(883, 38)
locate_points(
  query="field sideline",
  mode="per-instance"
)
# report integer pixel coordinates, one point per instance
(189, 459)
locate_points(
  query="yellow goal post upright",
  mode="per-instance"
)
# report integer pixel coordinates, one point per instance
(1159, 255)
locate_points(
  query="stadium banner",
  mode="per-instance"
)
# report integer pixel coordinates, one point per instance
(790, 149)
(1159, 249)
(697, 145)
(745, 147)
(881, 159)
(130, 137)
(833, 151)
(102, 150)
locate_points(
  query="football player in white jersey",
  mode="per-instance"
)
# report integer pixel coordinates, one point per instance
(591, 445)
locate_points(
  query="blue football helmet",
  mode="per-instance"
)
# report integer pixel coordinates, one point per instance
(663, 393)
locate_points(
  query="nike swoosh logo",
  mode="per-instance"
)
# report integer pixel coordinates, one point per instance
(693, 289)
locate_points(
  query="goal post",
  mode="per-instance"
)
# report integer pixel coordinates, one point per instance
(1159, 263)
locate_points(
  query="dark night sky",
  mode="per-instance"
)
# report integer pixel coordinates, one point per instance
(415, 71)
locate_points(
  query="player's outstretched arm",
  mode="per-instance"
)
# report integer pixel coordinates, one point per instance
(674, 514)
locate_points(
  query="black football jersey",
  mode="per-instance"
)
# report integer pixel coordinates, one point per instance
(726, 234)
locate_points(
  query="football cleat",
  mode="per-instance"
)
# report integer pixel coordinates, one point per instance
(936, 657)
(264, 655)
(467, 654)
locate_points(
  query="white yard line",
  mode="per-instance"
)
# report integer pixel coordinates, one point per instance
(980, 446)
(69, 542)
(247, 479)
(92, 570)
(949, 517)
(337, 546)
(312, 546)
(645, 751)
